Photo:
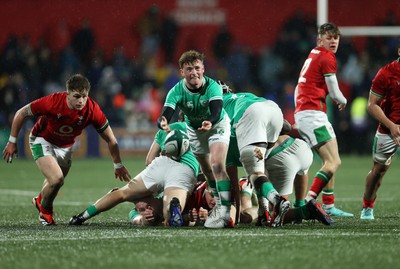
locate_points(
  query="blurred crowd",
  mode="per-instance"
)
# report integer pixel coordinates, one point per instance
(131, 90)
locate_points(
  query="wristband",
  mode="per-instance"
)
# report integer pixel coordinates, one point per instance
(118, 165)
(12, 139)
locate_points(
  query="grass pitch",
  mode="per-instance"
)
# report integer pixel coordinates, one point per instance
(109, 241)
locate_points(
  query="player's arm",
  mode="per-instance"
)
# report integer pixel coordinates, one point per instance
(165, 118)
(10, 150)
(375, 110)
(119, 169)
(334, 91)
(154, 152)
(215, 111)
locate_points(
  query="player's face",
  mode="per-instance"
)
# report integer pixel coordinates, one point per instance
(193, 74)
(77, 100)
(329, 41)
(210, 199)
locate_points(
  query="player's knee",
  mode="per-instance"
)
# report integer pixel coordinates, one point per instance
(218, 167)
(56, 181)
(252, 158)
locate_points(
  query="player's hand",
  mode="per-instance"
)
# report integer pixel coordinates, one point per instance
(10, 152)
(164, 124)
(203, 214)
(122, 174)
(193, 215)
(148, 215)
(205, 126)
(395, 133)
(341, 106)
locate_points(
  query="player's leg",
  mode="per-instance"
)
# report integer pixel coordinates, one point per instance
(329, 154)
(54, 179)
(248, 212)
(180, 181)
(134, 190)
(312, 210)
(383, 150)
(218, 151)
(252, 158)
(300, 189)
(173, 203)
(372, 183)
(220, 215)
(54, 163)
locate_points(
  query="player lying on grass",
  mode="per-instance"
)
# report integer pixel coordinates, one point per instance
(147, 211)
(195, 212)
(174, 173)
(62, 117)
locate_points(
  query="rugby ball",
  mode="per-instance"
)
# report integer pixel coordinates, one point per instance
(176, 144)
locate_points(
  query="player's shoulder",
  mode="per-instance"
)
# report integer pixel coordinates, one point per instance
(178, 126)
(391, 68)
(56, 96)
(211, 83)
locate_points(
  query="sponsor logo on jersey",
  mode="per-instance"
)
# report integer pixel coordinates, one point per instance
(80, 120)
(204, 102)
(189, 104)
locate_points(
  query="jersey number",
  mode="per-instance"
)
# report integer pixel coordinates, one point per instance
(304, 69)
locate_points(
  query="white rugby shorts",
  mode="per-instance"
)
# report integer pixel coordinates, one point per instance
(40, 147)
(201, 141)
(261, 122)
(383, 148)
(314, 127)
(163, 172)
(292, 157)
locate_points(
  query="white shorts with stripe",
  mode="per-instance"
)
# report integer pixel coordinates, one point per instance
(40, 147)
(314, 127)
(383, 148)
(292, 157)
(163, 172)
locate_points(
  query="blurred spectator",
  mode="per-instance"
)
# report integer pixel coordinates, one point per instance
(83, 42)
(149, 29)
(222, 43)
(59, 36)
(169, 35)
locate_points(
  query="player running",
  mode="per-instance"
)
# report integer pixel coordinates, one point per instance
(62, 117)
(383, 105)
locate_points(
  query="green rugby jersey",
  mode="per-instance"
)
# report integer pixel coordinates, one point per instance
(235, 104)
(195, 106)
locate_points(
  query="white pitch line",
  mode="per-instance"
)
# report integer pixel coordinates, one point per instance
(17, 192)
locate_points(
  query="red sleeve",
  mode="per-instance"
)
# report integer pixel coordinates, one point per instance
(379, 83)
(41, 106)
(99, 120)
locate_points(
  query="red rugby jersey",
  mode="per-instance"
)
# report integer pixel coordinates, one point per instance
(311, 87)
(59, 124)
(386, 84)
